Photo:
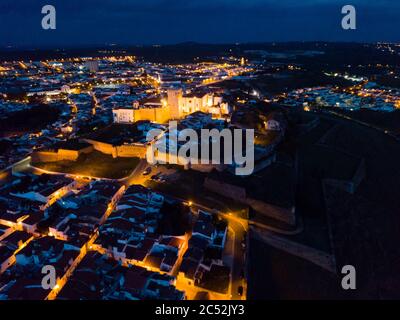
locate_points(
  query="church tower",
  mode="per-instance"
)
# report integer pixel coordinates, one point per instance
(174, 101)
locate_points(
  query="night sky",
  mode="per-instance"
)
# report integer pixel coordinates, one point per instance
(131, 22)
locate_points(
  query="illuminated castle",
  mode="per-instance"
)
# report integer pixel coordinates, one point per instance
(153, 110)
(176, 106)
(183, 104)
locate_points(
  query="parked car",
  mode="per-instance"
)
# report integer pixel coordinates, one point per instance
(156, 177)
(147, 171)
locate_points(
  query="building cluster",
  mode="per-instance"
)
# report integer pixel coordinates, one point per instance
(103, 240)
(174, 106)
(130, 234)
(205, 249)
(355, 98)
(76, 216)
(100, 278)
(16, 146)
(90, 93)
(23, 280)
(24, 199)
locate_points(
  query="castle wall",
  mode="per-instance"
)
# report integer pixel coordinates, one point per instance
(59, 155)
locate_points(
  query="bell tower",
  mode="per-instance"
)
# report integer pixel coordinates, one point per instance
(174, 101)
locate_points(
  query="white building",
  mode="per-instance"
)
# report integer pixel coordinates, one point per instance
(181, 105)
(123, 115)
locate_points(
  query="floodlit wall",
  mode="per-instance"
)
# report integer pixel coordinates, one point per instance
(237, 193)
(159, 115)
(102, 147)
(59, 155)
(127, 151)
(130, 151)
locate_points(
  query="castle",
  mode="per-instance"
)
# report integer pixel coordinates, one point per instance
(176, 106)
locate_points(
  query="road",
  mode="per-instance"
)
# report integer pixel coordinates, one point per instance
(136, 176)
(234, 253)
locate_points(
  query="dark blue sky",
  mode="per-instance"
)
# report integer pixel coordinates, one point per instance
(88, 22)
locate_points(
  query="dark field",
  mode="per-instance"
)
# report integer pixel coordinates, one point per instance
(361, 229)
(95, 164)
